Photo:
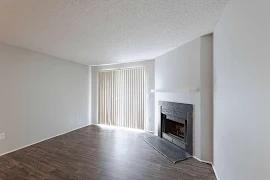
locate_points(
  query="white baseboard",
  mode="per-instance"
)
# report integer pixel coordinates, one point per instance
(215, 172)
(207, 162)
(43, 140)
(210, 164)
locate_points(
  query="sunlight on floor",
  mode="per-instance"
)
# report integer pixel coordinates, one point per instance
(116, 127)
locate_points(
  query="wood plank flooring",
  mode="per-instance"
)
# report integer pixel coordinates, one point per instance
(98, 153)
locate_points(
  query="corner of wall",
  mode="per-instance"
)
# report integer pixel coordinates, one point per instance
(89, 95)
(215, 172)
(206, 91)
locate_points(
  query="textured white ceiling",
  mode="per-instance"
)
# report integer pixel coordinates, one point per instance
(106, 31)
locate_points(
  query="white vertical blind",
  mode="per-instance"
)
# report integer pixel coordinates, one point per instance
(122, 97)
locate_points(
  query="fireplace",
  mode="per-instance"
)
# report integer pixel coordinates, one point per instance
(174, 129)
(176, 124)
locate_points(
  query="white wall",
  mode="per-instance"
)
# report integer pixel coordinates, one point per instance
(40, 97)
(189, 66)
(206, 94)
(241, 91)
(149, 67)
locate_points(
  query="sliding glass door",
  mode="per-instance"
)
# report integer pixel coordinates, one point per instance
(122, 97)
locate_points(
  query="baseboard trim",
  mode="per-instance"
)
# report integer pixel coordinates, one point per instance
(215, 172)
(43, 140)
(207, 162)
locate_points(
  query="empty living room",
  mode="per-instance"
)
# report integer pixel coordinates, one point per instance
(134, 90)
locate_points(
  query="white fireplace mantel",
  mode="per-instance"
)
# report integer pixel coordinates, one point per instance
(176, 90)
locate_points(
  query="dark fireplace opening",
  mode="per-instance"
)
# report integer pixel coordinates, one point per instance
(176, 129)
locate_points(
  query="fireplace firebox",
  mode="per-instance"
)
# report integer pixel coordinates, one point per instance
(174, 129)
(176, 124)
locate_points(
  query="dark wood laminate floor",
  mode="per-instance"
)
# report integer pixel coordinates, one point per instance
(98, 153)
